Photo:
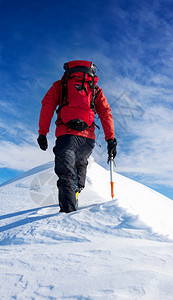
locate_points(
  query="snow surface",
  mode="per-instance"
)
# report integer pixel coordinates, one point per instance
(109, 249)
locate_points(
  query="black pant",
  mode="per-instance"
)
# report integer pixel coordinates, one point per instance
(71, 160)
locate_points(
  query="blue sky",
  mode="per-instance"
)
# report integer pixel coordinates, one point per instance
(131, 42)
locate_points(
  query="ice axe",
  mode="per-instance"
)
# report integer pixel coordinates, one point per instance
(111, 160)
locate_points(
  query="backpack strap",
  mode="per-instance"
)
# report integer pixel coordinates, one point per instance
(64, 91)
(63, 100)
(96, 92)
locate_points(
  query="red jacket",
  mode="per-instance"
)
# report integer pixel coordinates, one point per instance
(52, 99)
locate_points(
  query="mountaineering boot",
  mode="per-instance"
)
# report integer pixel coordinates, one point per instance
(76, 206)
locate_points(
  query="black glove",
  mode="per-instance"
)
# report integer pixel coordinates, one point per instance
(112, 148)
(42, 141)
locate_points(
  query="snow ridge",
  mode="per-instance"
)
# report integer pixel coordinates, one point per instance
(108, 249)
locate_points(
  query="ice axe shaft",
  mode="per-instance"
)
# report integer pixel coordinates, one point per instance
(111, 176)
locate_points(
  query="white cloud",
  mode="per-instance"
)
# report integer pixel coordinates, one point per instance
(19, 149)
(23, 156)
(150, 152)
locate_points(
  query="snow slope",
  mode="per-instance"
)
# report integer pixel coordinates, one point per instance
(108, 249)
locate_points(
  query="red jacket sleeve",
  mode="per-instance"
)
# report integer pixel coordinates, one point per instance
(104, 112)
(49, 104)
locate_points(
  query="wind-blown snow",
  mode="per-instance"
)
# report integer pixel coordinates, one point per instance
(108, 249)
